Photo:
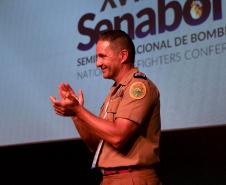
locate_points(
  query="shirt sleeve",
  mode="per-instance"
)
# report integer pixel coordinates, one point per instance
(135, 108)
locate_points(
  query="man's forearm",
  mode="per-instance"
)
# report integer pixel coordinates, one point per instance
(90, 139)
(116, 133)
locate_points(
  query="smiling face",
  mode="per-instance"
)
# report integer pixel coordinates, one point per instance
(108, 59)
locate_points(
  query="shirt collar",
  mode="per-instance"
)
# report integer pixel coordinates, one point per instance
(128, 76)
(125, 80)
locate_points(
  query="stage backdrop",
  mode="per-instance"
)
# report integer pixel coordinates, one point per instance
(180, 45)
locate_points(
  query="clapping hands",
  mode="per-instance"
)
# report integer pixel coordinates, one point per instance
(68, 102)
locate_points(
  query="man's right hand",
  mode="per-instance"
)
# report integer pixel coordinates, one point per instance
(68, 102)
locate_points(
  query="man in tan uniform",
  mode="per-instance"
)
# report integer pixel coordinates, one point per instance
(126, 134)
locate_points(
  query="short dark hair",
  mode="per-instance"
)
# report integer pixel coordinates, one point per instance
(127, 42)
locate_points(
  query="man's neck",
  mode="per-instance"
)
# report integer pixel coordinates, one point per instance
(123, 72)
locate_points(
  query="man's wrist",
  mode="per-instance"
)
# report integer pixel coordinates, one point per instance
(78, 110)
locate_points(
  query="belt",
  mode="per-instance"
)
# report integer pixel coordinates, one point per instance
(125, 169)
(106, 172)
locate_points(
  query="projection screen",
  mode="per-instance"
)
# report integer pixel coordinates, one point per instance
(180, 45)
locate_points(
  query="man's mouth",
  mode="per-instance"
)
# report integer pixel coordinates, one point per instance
(103, 69)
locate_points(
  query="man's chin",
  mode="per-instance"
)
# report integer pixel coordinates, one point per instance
(105, 76)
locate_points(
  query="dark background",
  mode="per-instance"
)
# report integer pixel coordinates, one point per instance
(188, 157)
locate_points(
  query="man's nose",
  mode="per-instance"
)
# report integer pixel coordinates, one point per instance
(98, 62)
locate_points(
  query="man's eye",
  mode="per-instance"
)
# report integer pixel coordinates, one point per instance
(100, 56)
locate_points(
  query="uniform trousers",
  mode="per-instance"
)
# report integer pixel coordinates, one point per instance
(134, 177)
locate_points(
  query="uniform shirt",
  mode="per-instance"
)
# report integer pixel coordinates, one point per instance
(135, 98)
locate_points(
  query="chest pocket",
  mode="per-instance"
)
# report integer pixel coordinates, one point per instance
(112, 108)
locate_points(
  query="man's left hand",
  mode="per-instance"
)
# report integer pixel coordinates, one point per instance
(66, 106)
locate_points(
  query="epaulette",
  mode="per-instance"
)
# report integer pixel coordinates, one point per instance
(140, 75)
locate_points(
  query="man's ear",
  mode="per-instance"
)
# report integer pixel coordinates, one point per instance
(124, 55)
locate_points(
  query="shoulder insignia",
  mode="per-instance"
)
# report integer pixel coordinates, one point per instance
(140, 75)
(137, 90)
